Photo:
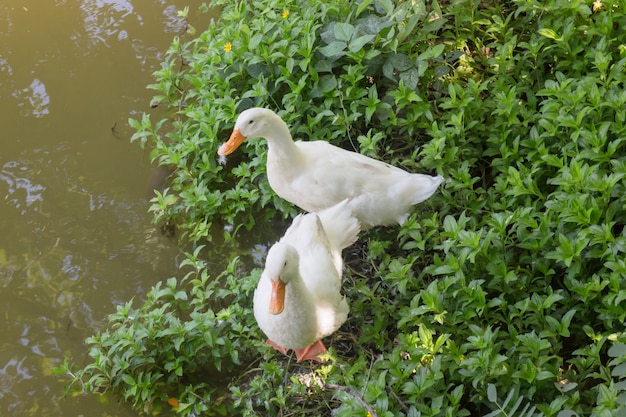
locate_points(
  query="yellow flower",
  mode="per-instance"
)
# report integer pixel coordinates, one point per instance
(597, 5)
(228, 47)
(285, 14)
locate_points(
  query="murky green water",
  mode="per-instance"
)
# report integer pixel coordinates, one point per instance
(75, 235)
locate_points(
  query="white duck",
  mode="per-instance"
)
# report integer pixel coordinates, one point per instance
(298, 301)
(316, 175)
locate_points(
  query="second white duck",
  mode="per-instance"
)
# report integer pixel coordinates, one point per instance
(298, 299)
(316, 175)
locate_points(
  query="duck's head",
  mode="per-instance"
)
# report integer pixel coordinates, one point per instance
(251, 123)
(281, 267)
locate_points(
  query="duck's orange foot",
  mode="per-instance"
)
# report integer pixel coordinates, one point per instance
(311, 352)
(275, 346)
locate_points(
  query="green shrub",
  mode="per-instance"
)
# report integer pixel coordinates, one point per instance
(509, 282)
(167, 348)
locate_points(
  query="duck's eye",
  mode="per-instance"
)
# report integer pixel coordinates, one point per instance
(250, 122)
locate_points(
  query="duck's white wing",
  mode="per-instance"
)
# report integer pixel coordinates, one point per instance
(340, 225)
(379, 193)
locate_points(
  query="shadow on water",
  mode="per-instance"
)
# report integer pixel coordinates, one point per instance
(76, 238)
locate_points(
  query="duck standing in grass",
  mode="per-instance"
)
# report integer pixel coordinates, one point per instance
(298, 299)
(316, 175)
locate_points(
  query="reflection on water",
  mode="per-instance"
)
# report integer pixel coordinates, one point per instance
(104, 20)
(5, 67)
(75, 235)
(172, 20)
(21, 192)
(33, 99)
(13, 373)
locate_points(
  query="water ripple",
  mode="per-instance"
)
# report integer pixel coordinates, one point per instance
(12, 374)
(104, 18)
(34, 99)
(22, 191)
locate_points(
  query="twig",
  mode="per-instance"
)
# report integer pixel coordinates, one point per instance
(198, 397)
(395, 396)
(345, 116)
(355, 395)
(286, 379)
(114, 132)
(369, 373)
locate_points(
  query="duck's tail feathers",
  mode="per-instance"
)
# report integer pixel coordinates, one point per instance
(425, 187)
(341, 226)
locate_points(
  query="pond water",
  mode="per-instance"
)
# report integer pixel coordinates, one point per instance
(76, 238)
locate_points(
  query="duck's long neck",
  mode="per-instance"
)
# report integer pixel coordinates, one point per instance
(280, 142)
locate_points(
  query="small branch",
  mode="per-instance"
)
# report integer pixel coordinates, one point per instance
(402, 404)
(355, 395)
(114, 132)
(369, 373)
(198, 397)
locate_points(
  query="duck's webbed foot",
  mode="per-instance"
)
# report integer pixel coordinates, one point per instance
(311, 352)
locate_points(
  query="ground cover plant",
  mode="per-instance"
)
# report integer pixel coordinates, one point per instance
(504, 294)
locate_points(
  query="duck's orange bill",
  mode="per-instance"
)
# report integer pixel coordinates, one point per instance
(277, 298)
(236, 139)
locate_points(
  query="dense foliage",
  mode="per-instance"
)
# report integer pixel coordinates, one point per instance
(504, 294)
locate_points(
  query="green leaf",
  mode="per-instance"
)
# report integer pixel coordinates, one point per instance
(387, 5)
(553, 160)
(362, 6)
(567, 413)
(128, 380)
(492, 393)
(255, 41)
(343, 31)
(323, 65)
(543, 375)
(549, 33)
(333, 49)
(617, 350)
(357, 44)
(400, 62)
(410, 78)
(328, 83)
(443, 270)
(619, 371)
(432, 52)
(374, 24)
